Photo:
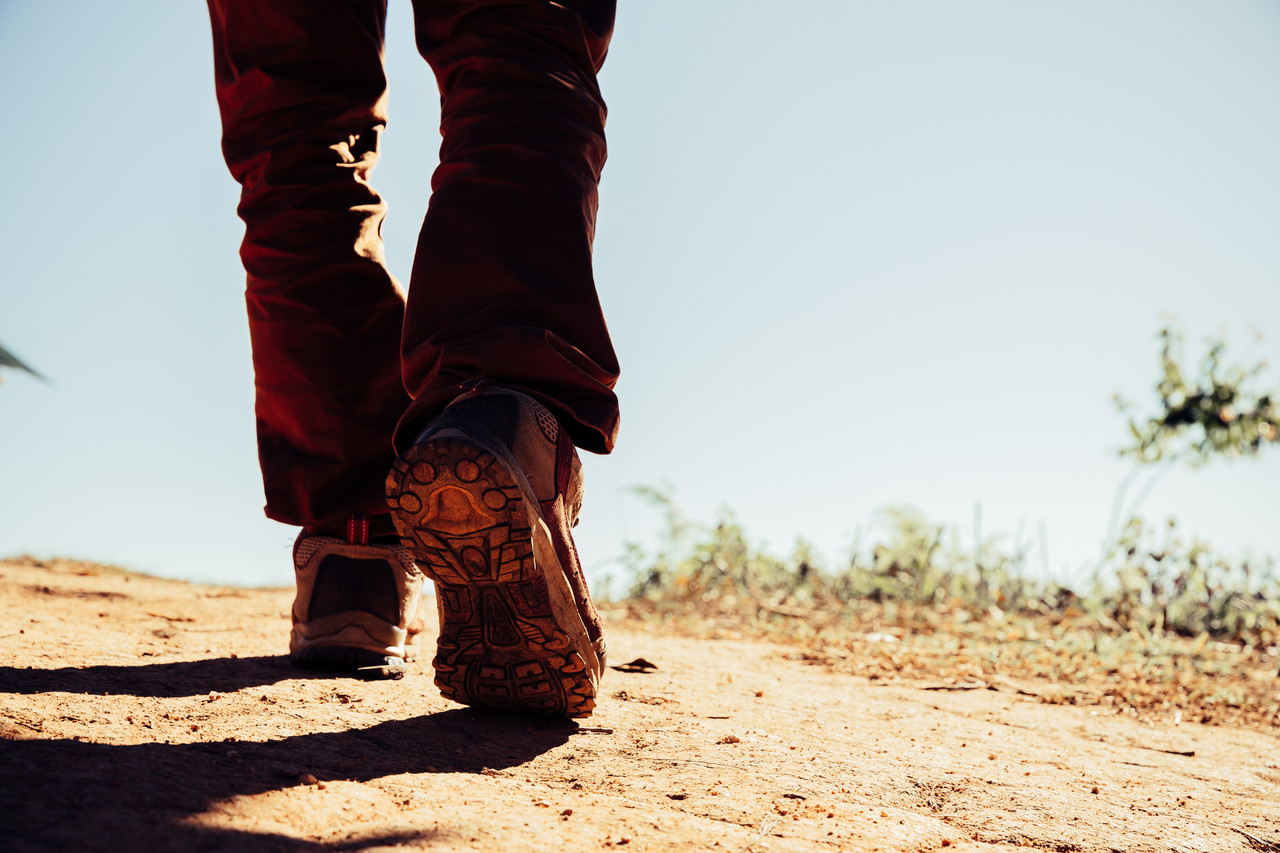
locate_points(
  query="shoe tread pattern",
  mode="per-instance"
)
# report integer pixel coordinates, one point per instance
(461, 512)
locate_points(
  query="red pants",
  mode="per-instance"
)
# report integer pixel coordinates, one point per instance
(502, 285)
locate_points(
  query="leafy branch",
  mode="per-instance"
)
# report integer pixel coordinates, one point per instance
(1215, 413)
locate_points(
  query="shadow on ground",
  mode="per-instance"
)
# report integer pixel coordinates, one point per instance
(59, 794)
(159, 680)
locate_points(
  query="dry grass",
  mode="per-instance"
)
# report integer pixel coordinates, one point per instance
(1061, 658)
(1168, 632)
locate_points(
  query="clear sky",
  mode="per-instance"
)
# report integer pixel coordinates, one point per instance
(853, 254)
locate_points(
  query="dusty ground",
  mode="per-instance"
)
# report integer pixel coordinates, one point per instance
(148, 714)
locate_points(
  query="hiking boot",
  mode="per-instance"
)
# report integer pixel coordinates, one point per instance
(356, 605)
(485, 498)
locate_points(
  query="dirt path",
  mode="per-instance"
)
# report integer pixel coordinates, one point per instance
(148, 714)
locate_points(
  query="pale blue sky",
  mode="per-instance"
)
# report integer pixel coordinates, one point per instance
(852, 254)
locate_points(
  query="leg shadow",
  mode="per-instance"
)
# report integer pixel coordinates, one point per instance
(161, 680)
(72, 795)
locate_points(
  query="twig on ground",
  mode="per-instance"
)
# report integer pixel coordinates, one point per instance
(1260, 844)
(766, 827)
(169, 618)
(1189, 753)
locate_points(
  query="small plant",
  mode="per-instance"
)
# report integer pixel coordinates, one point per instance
(1166, 582)
(716, 569)
(1217, 413)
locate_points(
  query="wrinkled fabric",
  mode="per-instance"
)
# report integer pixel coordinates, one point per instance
(502, 285)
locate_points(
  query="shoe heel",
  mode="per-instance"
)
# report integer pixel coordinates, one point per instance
(464, 516)
(461, 513)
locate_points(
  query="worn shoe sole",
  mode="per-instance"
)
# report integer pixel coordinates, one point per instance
(511, 636)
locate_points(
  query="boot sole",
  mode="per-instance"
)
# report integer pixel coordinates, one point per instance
(510, 635)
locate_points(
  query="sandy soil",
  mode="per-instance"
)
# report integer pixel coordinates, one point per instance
(149, 714)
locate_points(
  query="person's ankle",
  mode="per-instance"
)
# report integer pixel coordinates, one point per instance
(358, 528)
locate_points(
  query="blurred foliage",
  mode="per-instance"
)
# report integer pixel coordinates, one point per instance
(1152, 581)
(1215, 412)
(1164, 626)
(1168, 632)
(1164, 581)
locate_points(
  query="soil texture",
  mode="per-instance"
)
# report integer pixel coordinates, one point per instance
(149, 714)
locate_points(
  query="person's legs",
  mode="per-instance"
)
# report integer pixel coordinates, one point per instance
(503, 301)
(503, 292)
(502, 285)
(302, 94)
